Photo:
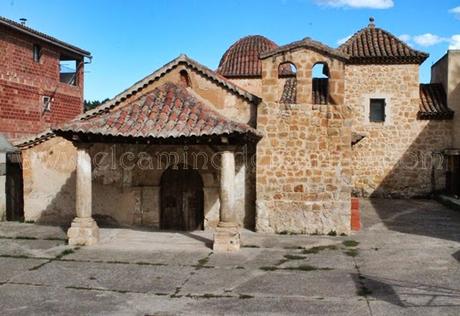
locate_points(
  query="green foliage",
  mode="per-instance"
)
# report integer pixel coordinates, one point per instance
(350, 243)
(89, 105)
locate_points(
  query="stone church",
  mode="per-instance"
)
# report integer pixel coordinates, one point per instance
(277, 139)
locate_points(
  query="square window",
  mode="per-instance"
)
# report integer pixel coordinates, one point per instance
(377, 110)
(68, 70)
(37, 53)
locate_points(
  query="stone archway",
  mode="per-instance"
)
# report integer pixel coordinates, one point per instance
(181, 199)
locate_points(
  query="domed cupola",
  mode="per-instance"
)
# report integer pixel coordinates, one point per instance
(241, 60)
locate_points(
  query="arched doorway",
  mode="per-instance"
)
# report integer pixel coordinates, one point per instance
(181, 199)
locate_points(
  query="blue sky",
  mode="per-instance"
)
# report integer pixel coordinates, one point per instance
(130, 39)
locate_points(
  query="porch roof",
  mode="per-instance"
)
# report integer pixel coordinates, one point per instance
(169, 111)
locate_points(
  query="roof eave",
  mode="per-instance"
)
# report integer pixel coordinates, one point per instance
(306, 45)
(72, 49)
(448, 115)
(388, 60)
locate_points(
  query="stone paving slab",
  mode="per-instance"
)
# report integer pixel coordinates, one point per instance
(113, 276)
(17, 229)
(39, 300)
(217, 281)
(287, 283)
(189, 257)
(12, 267)
(248, 257)
(278, 306)
(38, 248)
(386, 307)
(406, 262)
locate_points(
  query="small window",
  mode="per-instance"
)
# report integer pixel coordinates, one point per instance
(377, 110)
(287, 72)
(37, 53)
(320, 83)
(184, 78)
(68, 70)
(46, 100)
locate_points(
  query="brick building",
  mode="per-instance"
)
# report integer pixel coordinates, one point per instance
(288, 133)
(41, 80)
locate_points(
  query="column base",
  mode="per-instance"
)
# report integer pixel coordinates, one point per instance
(83, 232)
(226, 237)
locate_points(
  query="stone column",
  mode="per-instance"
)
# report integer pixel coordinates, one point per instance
(227, 236)
(84, 230)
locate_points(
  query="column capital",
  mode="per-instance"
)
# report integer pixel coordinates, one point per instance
(226, 148)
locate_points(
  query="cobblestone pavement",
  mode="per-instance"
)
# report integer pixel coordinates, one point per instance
(405, 261)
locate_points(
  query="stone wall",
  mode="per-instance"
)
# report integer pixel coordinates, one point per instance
(447, 71)
(396, 157)
(304, 160)
(253, 85)
(126, 182)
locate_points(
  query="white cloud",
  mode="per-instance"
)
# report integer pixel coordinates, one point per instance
(405, 37)
(456, 12)
(373, 4)
(343, 40)
(454, 42)
(429, 39)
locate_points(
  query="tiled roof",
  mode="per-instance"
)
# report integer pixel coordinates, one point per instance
(139, 86)
(320, 93)
(242, 58)
(372, 45)
(181, 60)
(31, 141)
(433, 102)
(289, 95)
(41, 36)
(169, 111)
(309, 44)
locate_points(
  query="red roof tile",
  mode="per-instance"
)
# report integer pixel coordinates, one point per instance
(169, 111)
(242, 58)
(372, 45)
(433, 102)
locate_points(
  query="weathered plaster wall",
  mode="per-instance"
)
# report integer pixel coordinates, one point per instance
(395, 158)
(2, 187)
(304, 159)
(253, 85)
(49, 182)
(126, 182)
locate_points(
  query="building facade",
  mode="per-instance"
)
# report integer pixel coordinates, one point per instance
(41, 80)
(277, 139)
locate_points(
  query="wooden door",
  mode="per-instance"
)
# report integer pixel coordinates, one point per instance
(14, 189)
(181, 200)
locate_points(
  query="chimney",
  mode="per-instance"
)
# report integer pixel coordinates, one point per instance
(23, 21)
